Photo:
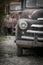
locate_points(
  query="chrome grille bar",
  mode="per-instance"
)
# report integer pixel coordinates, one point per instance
(36, 25)
(27, 37)
(32, 31)
(40, 38)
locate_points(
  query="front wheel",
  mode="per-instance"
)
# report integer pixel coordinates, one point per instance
(19, 51)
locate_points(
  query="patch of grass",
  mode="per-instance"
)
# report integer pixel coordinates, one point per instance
(2, 38)
(11, 54)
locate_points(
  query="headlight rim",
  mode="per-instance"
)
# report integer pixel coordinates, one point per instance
(23, 22)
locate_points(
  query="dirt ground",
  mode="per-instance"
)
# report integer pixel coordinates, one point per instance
(8, 54)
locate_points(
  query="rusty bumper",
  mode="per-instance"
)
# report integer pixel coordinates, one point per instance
(29, 44)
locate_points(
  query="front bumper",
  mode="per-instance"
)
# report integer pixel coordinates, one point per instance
(28, 44)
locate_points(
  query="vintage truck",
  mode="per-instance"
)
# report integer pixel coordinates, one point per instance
(29, 30)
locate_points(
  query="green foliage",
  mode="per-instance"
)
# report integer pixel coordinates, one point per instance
(2, 38)
(8, 0)
(1, 19)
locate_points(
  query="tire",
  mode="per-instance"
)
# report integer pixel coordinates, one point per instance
(19, 51)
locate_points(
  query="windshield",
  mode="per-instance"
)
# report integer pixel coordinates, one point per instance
(15, 6)
(34, 3)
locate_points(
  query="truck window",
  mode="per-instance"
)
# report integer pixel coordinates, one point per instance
(34, 3)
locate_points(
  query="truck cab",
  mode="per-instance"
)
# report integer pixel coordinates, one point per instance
(29, 30)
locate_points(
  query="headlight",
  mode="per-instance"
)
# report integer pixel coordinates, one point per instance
(22, 24)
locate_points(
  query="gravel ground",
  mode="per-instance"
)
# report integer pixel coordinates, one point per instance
(31, 60)
(8, 54)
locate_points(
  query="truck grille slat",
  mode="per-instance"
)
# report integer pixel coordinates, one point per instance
(33, 31)
(27, 37)
(36, 25)
(31, 38)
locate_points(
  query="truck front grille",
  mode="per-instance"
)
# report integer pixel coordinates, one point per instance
(35, 30)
